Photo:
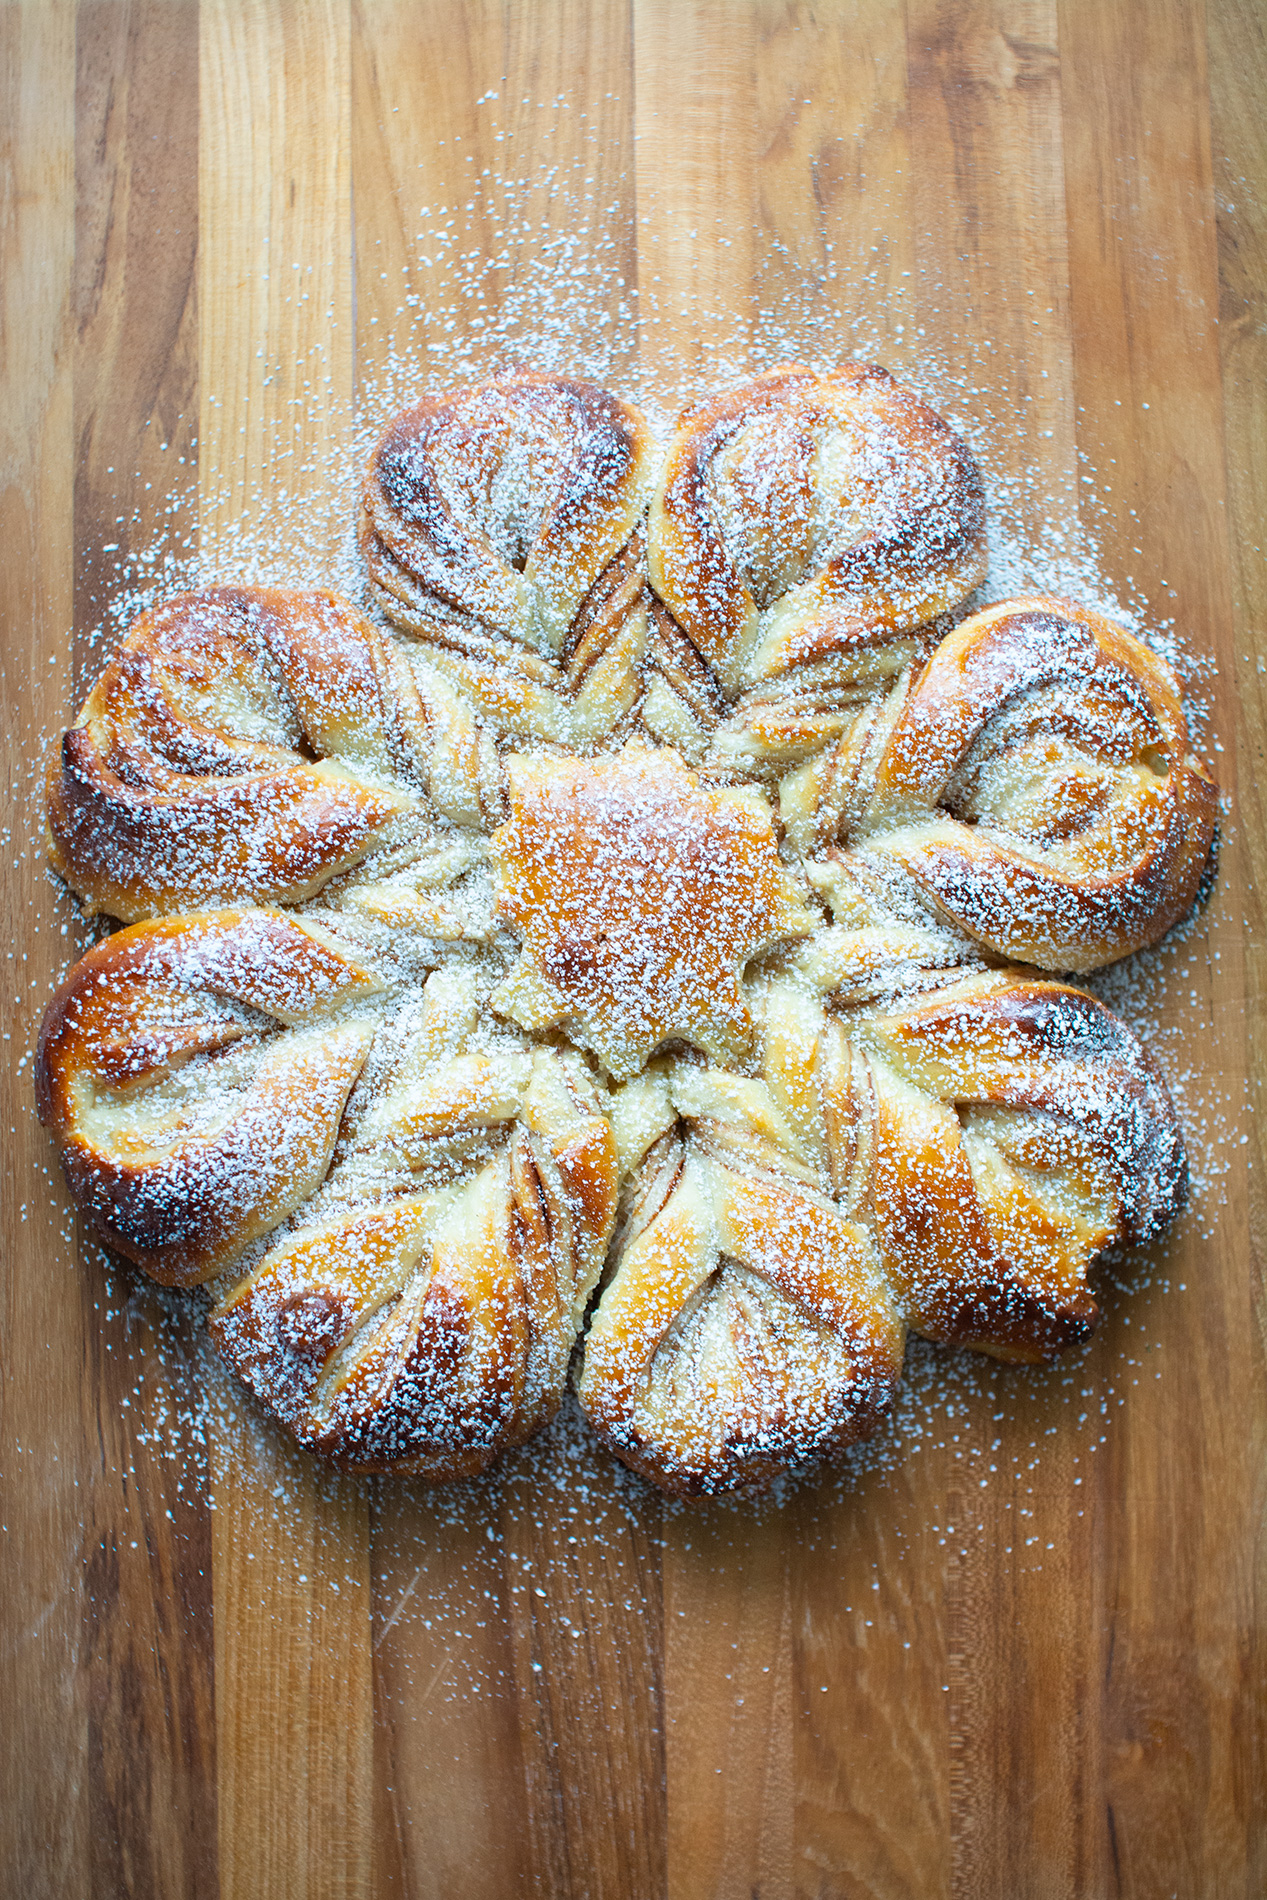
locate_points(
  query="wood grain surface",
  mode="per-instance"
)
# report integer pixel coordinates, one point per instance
(1020, 1650)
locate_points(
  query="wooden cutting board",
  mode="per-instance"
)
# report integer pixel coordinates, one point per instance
(1018, 1652)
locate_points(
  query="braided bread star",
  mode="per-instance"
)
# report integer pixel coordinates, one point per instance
(564, 1043)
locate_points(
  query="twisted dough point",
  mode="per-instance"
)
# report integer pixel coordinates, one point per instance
(496, 508)
(747, 1326)
(954, 1163)
(431, 1332)
(502, 525)
(181, 781)
(802, 518)
(180, 1171)
(1035, 781)
(1017, 1130)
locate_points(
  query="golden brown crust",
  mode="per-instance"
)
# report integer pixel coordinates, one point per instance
(182, 781)
(952, 1162)
(746, 1328)
(1019, 1130)
(573, 700)
(502, 525)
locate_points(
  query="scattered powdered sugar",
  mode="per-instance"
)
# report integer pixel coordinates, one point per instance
(543, 289)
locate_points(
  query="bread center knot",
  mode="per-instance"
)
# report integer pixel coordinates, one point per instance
(640, 895)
